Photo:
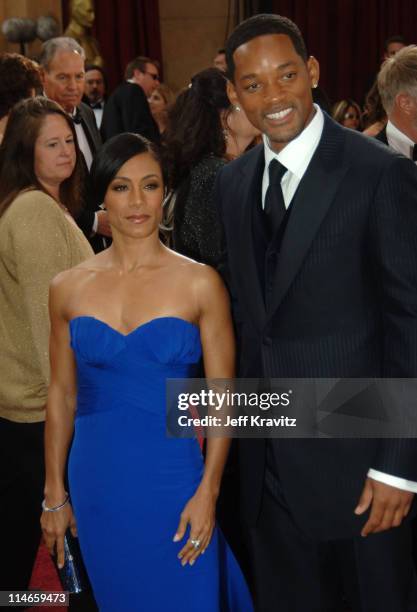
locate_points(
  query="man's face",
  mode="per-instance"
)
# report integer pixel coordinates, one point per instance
(273, 85)
(220, 62)
(94, 85)
(64, 79)
(393, 48)
(148, 80)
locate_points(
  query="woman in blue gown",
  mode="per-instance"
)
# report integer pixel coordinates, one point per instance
(122, 323)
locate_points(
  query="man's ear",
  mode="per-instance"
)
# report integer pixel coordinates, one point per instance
(403, 102)
(231, 93)
(313, 70)
(136, 75)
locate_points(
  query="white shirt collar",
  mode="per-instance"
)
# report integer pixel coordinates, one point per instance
(399, 141)
(297, 154)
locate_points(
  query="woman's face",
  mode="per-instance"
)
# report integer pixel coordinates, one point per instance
(157, 102)
(134, 197)
(351, 118)
(240, 125)
(54, 151)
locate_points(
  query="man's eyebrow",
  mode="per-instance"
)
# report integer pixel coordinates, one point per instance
(280, 67)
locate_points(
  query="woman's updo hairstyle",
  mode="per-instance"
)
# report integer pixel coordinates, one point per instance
(210, 87)
(194, 126)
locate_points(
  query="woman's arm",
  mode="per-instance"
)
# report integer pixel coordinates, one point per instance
(216, 331)
(59, 421)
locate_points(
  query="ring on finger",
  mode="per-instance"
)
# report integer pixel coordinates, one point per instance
(196, 544)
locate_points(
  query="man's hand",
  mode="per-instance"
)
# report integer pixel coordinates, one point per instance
(389, 506)
(103, 226)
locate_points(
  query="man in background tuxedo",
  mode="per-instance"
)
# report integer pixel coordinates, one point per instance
(95, 91)
(127, 109)
(397, 84)
(322, 287)
(63, 77)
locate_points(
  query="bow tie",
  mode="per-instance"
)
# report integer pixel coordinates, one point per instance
(98, 105)
(76, 117)
(415, 152)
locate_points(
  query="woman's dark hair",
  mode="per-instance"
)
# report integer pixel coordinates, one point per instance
(111, 157)
(261, 25)
(374, 111)
(194, 125)
(17, 154)
(19, 76)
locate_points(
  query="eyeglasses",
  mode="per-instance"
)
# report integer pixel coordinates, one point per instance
(350, 116)
(153, 75)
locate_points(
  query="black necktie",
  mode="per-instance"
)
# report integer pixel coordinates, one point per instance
(274, 199)
(415, 152)
(76, 117)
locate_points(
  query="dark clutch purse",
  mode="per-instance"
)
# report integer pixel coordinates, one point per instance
(73, 575)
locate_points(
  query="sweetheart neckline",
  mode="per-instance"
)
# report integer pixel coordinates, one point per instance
(135, 329)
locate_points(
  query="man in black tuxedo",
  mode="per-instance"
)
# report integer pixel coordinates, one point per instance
(63, 78)
(397, 83)
(320, 226)
(127, 109)
(95, 91)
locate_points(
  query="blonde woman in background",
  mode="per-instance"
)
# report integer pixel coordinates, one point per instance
(159, 101)
(347, 113)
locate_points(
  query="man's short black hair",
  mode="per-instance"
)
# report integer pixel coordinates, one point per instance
(260, 25)
(394, 39)
(89, 67)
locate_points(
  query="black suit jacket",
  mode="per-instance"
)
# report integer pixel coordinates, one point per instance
(382, 136)
(127, 110)
(342, 303)
(85, 219)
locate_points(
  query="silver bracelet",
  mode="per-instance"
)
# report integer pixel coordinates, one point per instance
(55, 508)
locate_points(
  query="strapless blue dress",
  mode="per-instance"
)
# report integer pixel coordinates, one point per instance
(129, 482)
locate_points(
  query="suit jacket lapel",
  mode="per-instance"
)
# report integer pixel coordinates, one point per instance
(312, 200)
(250, 188)
(90, 130)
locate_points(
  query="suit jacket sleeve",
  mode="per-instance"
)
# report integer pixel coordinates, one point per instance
(393, 245)
(223, 264)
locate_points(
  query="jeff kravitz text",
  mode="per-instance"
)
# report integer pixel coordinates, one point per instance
(220, 409)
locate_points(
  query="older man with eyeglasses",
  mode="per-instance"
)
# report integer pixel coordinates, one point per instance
(127, 109)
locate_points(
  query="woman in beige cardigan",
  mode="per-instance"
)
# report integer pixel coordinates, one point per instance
(39, 191)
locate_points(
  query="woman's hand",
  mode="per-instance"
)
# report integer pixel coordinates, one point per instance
(54, 526)
(199, 513)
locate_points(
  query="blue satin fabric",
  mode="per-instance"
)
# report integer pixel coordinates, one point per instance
(129, 482)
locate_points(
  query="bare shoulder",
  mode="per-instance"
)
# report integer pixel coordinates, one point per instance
(68, 280)
(198, 275)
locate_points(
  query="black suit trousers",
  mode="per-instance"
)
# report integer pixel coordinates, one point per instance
(293, 573)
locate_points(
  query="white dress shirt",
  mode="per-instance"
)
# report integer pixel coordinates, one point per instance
(296, 156)
(98, 113)
(88, 156)
(83, 143)
(399, 141)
